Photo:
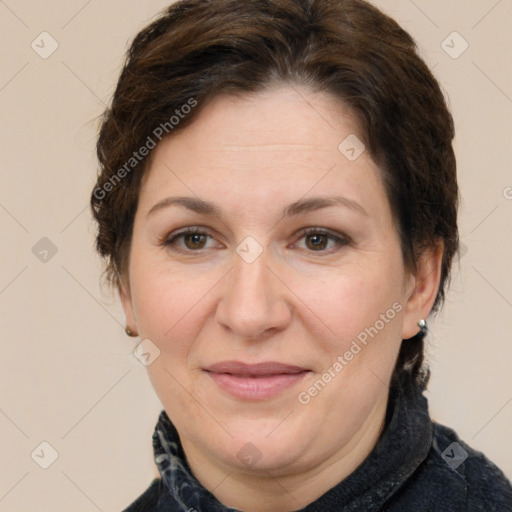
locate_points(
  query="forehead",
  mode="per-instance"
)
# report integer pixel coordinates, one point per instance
(283, 139)
(283, 114)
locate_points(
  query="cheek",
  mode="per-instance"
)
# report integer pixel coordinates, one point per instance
(361, 303)
(164, 303)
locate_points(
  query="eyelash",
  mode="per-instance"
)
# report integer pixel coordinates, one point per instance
(170, 240)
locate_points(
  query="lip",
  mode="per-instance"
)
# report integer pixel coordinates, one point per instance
(259, 381)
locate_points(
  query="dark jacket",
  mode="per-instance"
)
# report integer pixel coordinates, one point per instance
(416, 466)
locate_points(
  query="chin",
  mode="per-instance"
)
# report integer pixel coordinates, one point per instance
(265, 445)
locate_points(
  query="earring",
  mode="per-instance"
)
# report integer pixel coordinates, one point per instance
(129, 332)
(422, 324)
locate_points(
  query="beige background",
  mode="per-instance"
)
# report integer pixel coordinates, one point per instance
(67, 373)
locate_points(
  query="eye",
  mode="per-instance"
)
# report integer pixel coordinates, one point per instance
(319, 240)
(190, 239)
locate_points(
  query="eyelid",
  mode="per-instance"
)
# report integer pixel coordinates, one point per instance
(168, 239)
(339, 237)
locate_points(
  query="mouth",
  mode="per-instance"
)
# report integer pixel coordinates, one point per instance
(255, 381)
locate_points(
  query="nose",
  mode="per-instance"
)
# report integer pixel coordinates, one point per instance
(253, 303)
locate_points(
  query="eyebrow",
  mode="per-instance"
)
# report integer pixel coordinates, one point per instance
(316, 203)
(299, 207)
(191, 203)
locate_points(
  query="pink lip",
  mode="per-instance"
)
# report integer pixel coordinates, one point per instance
(255, 381)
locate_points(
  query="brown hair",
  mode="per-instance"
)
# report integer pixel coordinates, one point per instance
(199, 48)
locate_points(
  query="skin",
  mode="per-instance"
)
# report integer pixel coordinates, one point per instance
(302, 301)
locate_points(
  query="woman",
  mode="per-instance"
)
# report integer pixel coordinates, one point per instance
(277, 204)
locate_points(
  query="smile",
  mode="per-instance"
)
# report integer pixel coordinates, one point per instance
(260, 381)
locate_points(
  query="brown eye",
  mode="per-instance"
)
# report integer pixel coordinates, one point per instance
(316, 242)
(194, 241)
(321, 241)
(189, 240)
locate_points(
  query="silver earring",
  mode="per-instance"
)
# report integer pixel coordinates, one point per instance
(422, 324)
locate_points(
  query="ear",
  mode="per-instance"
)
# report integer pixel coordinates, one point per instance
(126, 301)
(422, 291)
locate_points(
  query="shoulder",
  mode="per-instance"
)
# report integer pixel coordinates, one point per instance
(487, 488)
(148, 501)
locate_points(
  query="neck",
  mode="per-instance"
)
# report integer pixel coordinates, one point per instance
(263, 491)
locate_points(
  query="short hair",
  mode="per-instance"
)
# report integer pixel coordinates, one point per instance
(197, 49)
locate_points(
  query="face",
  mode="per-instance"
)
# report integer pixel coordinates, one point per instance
(266, 267)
